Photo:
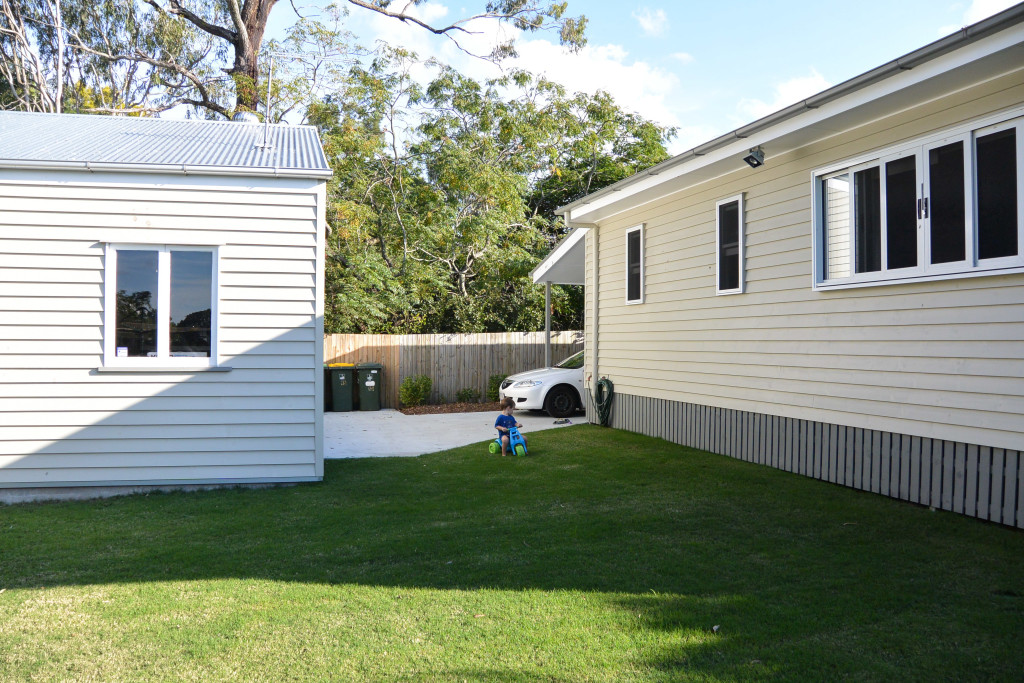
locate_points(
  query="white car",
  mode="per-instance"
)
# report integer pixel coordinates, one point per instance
(558, 390)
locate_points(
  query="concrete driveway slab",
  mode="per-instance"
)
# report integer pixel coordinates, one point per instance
(389, 433)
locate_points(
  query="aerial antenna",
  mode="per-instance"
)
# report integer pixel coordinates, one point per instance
(266, 118)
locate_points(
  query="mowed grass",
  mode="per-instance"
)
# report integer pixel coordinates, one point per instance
(604, 556)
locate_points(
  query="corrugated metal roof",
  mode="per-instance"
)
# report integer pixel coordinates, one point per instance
(137, 143)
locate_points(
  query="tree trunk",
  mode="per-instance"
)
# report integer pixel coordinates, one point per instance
(246, 70)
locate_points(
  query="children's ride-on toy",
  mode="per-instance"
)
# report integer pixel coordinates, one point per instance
(515, 443)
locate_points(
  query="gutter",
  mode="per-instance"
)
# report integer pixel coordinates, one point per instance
(167, 169)
(964, 36)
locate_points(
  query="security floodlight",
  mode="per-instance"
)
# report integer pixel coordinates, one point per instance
(755, 158)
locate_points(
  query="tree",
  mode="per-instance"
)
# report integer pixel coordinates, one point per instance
(440, 202)
(27, 80)
(103, 56)
(146, 56)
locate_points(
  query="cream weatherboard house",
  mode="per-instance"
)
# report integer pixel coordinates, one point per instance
(160, 302)
(836, 289)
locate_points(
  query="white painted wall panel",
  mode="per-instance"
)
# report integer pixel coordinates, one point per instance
(940, 359)
(63, 422)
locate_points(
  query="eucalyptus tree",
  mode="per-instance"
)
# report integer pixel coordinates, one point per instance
(146, 56)
(27, 80)
(103, 56)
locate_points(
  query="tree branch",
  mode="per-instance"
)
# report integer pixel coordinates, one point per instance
(240, 30)
(402, 16)
(212, 29)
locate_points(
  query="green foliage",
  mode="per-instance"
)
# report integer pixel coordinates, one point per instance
(443, 196)
(494, 386)
(414, 390)
(115, 56)
(146, 56)
(468, 395)
(443, 191)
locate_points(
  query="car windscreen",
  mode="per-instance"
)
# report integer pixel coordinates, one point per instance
(573, 362)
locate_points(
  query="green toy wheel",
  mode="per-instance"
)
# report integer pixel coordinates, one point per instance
(493, 447)
(520, 449)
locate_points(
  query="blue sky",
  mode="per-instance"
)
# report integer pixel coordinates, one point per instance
(705, 68)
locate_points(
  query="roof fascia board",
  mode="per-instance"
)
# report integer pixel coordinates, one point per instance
(563, 247)
(172, 169)
(873, 85)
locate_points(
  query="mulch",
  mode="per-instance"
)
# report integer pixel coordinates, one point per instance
(452, 408)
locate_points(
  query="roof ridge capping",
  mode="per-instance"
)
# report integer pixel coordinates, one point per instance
(960, 38)
(158, 119)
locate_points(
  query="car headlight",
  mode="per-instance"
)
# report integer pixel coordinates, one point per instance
(528, 383)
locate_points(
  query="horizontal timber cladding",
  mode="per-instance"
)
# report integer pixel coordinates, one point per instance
(978, 481)
(63, 422)
(943, 358)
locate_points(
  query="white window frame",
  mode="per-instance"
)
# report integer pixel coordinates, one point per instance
(742, 234)
(631, 302)
(925, 271)
(163, 359)
(1003, 261)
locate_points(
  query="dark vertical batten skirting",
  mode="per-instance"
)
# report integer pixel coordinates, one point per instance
(978, 481)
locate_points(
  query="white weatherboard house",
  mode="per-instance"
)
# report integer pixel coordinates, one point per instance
(852, 309)
(160, 302)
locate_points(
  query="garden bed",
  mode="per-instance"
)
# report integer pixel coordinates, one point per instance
(439, 408)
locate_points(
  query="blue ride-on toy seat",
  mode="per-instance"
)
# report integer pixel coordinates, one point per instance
(515, 443)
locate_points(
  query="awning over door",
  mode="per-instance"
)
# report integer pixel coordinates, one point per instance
(566, 264)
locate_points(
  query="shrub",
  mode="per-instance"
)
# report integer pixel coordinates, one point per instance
(415, 390)
(467, 395)
(493, 385)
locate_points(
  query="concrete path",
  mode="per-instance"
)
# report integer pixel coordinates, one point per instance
(389, 433)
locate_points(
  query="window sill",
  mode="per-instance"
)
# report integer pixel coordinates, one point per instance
(988, 272)
(163, 369)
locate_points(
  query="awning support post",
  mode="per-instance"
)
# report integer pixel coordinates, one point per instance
(547, 324)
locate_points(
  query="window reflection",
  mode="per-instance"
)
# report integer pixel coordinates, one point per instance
(191, 287)
(633, 266)
(867, 218)
(837, 230)
(729, 246)
(901, 212)
(997, 194)
(946, 187)
(136, 303)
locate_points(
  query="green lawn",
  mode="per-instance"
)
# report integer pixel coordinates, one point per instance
(605, 556)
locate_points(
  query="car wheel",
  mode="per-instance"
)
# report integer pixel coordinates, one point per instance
(561, 402)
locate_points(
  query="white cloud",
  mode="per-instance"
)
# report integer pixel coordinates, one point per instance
(688, 137)
(786, 93)
(982, 9)
(653, 22)
(684, 57)
(636, 85)
(975, 12)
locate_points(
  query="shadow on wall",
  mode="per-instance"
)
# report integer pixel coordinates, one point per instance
(256, 422)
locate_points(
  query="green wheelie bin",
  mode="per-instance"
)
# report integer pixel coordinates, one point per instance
(370, 380)
(342, 377)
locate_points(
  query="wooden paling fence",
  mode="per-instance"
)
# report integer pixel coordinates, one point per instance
(452, 361)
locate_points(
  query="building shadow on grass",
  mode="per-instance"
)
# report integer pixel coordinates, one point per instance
(658, 537)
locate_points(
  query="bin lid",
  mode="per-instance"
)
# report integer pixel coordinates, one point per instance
(341, 365)
(369, 366)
